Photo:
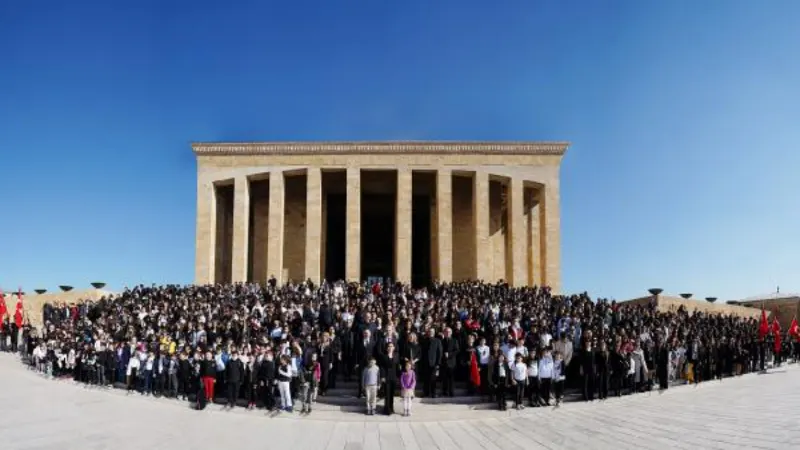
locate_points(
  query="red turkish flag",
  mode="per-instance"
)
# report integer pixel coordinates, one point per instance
(18, 313)
(794, 330)
(474, 373)
(3, 309)
(763, 328)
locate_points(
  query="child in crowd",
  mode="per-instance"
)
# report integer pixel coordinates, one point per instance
(408, 383)
(546, 368)
(132, 372)
(519, 378)
(533, 380)
(500, 380)
(310, 380)
(284, 378)
(370, 378)
(559, 377)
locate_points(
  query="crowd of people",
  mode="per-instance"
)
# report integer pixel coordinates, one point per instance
(274, 346)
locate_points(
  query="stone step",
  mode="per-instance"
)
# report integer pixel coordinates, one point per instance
(353, 400)
(351, 391)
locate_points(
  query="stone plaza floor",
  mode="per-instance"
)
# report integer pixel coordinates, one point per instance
(760, 411)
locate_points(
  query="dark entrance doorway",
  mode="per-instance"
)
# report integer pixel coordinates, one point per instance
(421, 241)
(377, 235)
(336, 237)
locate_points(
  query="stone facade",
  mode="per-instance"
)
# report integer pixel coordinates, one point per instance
(785, 308)
(270, 209)
(33, 303)
(670, 303)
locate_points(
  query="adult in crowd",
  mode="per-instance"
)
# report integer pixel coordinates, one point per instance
(240, 342)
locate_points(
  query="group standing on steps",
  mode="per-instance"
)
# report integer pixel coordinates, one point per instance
(273, 346)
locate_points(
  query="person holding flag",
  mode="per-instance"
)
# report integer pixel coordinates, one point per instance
(763, 331)
(776, 331)
(794, 336)
(3, 312)
(19, 312)
(3, 308)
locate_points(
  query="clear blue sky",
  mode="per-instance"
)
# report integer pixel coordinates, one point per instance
(684, 118)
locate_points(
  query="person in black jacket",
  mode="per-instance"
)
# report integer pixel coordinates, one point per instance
(252, 379)
(390, 364)
(348, 340)
(588, 360)
(364, 351)
(450, 348)
(431, 359)
(325, 354)
(184, 376)
(101, 362)
(111, 364)
(603, 370)
(662, 364)
(325, 316)
(336, 359)
(234, 374)
(499, 377)
(208, 375)
(266, 381)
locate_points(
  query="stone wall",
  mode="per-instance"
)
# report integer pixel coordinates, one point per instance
(667, 303)
(785, 308)
(32, 304)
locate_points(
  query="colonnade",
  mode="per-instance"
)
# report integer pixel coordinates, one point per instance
(530, 217)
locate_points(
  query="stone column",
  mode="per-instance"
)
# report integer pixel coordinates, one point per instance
(534, 240)
(517, 232)
(444, 224)
(551, 231)
(206, 233)
(402, 248)
(353, 251)
(480, 209)
(241, 229)
(277, 196)
(313, 224)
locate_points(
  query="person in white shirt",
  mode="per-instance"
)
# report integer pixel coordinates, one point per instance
(545, 338)
(519, 349)
(558, 377)
(148, 373)
(533, 381)
(545, 376)
(483, 352)
(132, 372)
(519, 378)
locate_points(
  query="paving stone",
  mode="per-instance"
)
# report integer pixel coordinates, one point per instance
(756, 411)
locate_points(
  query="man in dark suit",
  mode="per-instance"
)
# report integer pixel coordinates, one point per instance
(431, 358)
(364, 351)
(450, 347)
(325, 315)
(348, 340)
(325, 354)
(234, 374)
